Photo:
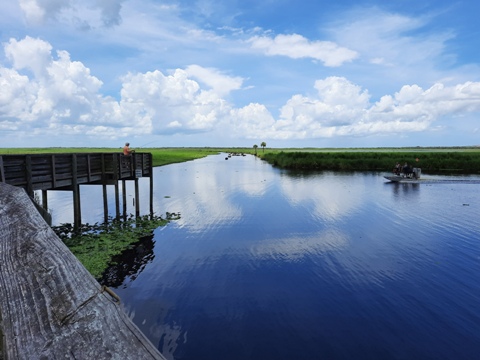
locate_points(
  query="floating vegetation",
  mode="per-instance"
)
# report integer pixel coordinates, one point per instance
(95, 245)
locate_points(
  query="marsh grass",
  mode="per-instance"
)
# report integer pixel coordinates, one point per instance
(465, 162)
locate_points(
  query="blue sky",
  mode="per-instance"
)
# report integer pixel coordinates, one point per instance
(358, 73)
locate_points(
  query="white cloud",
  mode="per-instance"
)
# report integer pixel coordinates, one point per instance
(29, 53)
(43, 94)
(220, 83)
(173, 101)
(296, 47)
(341, 108)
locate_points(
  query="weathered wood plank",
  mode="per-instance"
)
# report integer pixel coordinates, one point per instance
(50, 305)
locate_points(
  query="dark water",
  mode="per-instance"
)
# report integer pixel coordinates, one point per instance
(268, 264)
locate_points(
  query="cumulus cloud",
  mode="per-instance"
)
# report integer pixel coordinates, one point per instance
(296, 47)
(341, 108)
(174, 103)
(46, 93)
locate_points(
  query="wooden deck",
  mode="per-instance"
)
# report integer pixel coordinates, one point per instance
(50, 305)
(63, 171)
(68, 171)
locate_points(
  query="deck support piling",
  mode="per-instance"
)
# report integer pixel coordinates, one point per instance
(137, 200)
(77, 213)
(124, 199)
(44, 200)
(105, 203)
(151, 190)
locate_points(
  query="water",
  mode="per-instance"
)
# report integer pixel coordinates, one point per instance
(270, 264)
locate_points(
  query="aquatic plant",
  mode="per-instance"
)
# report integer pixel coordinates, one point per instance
(94, 245)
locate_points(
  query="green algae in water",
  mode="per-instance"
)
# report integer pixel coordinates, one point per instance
(95, 245)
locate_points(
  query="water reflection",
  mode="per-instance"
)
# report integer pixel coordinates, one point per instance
(332, 197)
(130, 263)
(293, 248)
(403, 191)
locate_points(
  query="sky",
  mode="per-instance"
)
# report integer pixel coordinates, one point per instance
(236, 73)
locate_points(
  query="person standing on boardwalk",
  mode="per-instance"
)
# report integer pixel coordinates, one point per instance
(127, 150)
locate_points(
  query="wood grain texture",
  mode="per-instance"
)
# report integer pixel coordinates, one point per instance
(50, 305)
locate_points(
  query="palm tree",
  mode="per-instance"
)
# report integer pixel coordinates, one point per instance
(263, 144)
(255, 148)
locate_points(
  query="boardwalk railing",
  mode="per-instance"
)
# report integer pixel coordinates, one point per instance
(59, 171)
(50, 305)
(69, 171)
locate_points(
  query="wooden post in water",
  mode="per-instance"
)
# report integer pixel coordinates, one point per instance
(124, 199)
(50, 305)
(117, 175)
(150, 170)
(44, 200)
(104, 188)
(77, 212)
(136, 176)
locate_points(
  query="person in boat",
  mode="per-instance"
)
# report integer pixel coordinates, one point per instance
(407, 170)
(397, 169)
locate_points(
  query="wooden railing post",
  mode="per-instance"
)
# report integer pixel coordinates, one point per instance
(28, 174)
(2, 171)
(54, 173)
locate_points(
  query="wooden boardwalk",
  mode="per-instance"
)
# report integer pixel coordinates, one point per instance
(68, 171)
(50, 305)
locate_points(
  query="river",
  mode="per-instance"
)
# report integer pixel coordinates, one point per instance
(271, 264)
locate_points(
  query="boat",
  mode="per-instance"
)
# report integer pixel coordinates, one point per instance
(402, 179)
(413, 177)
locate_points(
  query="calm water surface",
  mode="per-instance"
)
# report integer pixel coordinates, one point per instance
(269, 264)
